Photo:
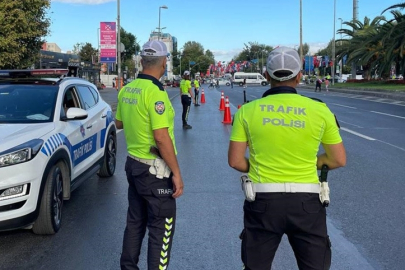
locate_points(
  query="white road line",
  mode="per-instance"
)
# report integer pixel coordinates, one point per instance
(397, 147)
(340, 121)
(357, 134)
(344, 106)
(118, 131)
(389, 114)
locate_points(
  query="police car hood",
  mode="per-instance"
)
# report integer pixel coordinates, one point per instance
(15, 134)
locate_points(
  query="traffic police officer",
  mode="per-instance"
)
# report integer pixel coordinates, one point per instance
(186, 97)
(283, 131)
(196, 91)
(146, 114)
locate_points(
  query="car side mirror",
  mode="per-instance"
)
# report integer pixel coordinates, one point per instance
(75, 114)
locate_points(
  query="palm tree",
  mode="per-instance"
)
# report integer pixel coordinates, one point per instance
(363, 47)
(395, 40)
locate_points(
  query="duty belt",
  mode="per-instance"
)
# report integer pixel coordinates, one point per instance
(142, 160)
(286, 187)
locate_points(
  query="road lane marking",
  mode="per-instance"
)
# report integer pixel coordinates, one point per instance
(397, 116)
(354, 108)
(340, 121)
(397, 147)
(358, 134)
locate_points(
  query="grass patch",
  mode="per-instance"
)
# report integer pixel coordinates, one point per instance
(372, 86)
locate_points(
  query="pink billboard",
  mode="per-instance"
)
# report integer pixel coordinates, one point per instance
(108, 42)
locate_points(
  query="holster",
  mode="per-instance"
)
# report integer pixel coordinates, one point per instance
(247, 187)
(324, 194)
(160, 169)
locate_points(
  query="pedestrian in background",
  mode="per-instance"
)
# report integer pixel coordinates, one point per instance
(318, 84)
(327, 85)
(186, 97)
(196, 91)
(284, 176)
(244, 83)
(231, 79)
(151, 167)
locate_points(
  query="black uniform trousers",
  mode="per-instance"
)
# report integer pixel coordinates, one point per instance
(196, 91)
(186, 102)
(298, 215)
(151, 206)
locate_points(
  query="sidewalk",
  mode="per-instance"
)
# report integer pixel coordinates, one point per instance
(399, 95)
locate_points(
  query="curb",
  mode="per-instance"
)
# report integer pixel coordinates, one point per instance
(399, 96)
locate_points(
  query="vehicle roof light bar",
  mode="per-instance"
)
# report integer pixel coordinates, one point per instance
(32, 73)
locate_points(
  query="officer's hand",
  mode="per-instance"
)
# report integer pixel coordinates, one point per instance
(177, 186)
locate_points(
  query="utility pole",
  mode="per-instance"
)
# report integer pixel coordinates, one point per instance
(355, 17)
(301, 51)
(334, 44)
(118, 46)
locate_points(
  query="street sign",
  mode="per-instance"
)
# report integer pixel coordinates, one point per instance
(108, 42)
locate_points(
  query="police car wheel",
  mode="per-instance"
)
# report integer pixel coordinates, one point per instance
(50, 214)
(110, 157)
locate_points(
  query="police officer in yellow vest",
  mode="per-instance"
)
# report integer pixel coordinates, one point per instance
(186, 97)
(196, 91)
(147, 116)
(283, 131)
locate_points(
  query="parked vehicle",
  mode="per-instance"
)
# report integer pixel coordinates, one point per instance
(54, 134)
(251, 78)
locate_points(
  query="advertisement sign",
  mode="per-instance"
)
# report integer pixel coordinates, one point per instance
(108, 42)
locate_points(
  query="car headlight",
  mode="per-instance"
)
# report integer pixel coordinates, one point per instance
(21, 153)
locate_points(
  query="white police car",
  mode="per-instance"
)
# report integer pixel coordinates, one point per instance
(54, 133)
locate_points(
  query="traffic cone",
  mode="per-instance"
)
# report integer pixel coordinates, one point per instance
(227, 114)
(239, 106)
(202, 95)
(222, 103)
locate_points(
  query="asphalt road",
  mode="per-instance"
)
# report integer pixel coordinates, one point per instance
(365, 219)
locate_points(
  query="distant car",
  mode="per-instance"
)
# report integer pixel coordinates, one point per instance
(175, 83)
(54, 134)
(222, 81)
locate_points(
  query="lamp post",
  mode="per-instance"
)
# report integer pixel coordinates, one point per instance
(334, 44)
(341, 60)
(301, 52)
(160, 30)
(118, 46)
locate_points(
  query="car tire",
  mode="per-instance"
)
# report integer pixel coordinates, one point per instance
(49, 220)
(264, 84)
(110, 157)
(241, 84)
(228, 84)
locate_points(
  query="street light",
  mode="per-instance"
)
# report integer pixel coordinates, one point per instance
(160, 30)
(118, 46)
(301, 52)
(341, 60)
(333, 44)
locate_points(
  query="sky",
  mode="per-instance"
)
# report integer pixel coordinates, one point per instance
(222, 26)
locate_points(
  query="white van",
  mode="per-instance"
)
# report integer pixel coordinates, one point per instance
(251, 78)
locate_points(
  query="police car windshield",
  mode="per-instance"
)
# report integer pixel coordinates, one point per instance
(27, 103)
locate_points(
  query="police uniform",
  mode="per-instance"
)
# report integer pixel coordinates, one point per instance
(143, 106)
(185, 85)
(283, 131)
(196, 91)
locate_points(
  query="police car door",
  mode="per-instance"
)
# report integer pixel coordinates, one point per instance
(75, 133)
(95, 123)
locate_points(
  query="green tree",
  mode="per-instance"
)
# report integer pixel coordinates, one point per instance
(255, 53)
(88, 53)
(305, 49)
(24, 24)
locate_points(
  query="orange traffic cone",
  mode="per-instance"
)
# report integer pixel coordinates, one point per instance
(239, 106)
(227, 114)
(202, 95)
(222, 103)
